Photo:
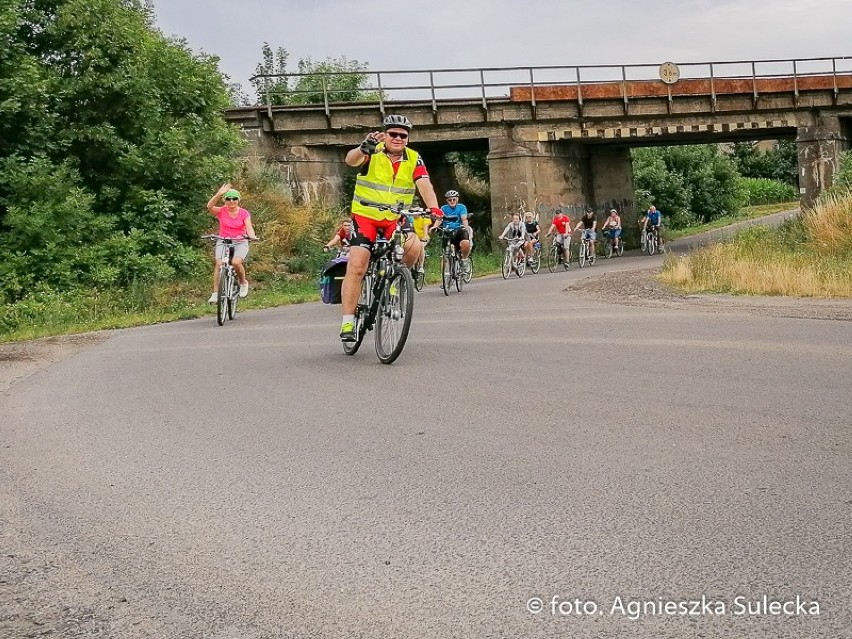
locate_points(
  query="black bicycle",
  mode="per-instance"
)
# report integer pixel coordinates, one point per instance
(452, 269)
(228, 287)
(386, 302)
(559, 253)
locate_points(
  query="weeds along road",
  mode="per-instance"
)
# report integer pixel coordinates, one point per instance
(534, 465)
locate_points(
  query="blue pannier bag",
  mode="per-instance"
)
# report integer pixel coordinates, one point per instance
(331, 279)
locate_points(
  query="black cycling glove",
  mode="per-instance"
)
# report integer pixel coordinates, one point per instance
(368, 146)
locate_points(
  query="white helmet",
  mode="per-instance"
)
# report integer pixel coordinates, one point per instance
(400, 121)
(451, 193)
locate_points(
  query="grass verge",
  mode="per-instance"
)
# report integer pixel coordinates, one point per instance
(52, 314)
(747, 213)
(810, 256)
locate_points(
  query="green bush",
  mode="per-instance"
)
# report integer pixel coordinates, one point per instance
(756, 191)
(105, 178)
(689, 184)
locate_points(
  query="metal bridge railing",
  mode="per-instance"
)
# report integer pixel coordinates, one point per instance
(492, 84)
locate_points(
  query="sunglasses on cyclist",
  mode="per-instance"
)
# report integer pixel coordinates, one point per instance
(401, 136)
(231, 199)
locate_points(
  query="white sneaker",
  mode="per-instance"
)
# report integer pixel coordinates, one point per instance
(244, 289)
(214, 298)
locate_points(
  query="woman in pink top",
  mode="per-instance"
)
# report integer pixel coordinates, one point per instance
(234, 221)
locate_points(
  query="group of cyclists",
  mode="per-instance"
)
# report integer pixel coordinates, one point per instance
(390, 174)
(524, 232)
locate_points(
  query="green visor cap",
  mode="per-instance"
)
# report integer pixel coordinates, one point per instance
(232, 193)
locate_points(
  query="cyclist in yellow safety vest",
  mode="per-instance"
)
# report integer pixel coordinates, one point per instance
(390, 173)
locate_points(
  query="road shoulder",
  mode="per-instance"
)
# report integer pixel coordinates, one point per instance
(21, 359)
(640, 288)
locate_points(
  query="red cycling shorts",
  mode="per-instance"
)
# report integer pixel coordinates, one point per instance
(367, 229)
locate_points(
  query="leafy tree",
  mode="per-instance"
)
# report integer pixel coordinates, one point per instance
(277, 89)
(111, 136)
(688, 183)
(341, 79)
(779, 163)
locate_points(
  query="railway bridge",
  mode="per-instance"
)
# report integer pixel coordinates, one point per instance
(558, 136)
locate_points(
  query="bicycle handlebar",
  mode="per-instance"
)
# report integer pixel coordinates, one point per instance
(414, 212)
(230, 239)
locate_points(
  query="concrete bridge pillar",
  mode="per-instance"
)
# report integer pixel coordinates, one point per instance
(820, 146)
(442, 174)
(534, 175)
(316, 173)
(611, 169)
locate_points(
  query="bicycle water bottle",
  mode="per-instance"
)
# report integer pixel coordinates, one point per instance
(398, 251)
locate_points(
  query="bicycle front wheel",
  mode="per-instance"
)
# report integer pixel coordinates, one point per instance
(458, 274)
(535, 265)
(552, 258)
(396, 306)
(506, 267)
(608, 250)
(652, 245)
(224, 292)
(446, 273)
(233, 298)
(468, 270)
(581, 255)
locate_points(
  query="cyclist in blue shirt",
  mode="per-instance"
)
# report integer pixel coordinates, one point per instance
(460, 227)
(655, 219)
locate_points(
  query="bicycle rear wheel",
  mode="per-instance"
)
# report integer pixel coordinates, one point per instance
(350, 348)
(522, 266)
(396, 306)
(620, 249)
(419, 278)
(224, 291)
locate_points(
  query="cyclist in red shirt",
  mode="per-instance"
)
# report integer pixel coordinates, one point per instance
(342, 238)
(561, 226)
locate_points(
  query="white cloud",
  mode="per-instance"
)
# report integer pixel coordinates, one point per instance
(474, 33)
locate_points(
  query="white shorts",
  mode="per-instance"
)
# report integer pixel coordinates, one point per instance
(240, 249)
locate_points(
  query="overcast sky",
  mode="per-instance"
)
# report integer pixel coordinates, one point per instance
(388, 34)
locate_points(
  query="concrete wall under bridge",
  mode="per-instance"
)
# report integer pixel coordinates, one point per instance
(560, 152)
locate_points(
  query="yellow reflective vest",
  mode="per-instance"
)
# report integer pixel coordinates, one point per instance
(379, 185)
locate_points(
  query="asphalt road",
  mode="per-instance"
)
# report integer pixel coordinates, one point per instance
(528, 448)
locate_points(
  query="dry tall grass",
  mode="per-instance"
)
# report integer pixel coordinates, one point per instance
(291, 233)
(807, 257)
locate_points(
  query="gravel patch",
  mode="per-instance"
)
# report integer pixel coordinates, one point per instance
(639, 288)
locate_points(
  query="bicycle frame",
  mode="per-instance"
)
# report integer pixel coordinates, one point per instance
(226, 279)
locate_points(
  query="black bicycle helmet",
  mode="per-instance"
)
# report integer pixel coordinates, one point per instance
(397, 121)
